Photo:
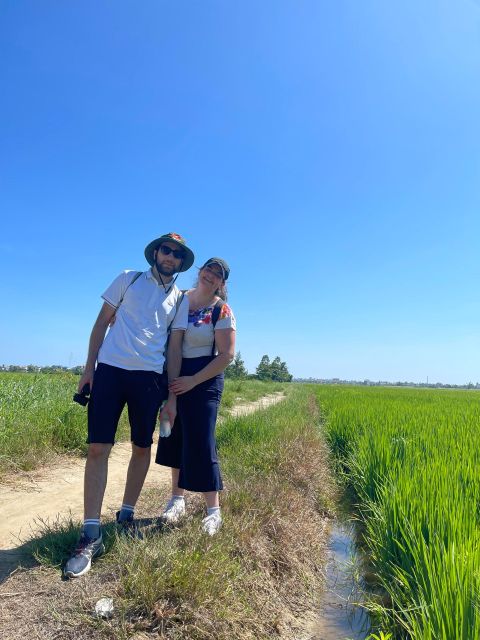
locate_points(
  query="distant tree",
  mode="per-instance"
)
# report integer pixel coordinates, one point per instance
(54, 368)
(263, 370)
(279, 371)
(287, 376)
(236, 369)
(78, 370)
(276, 370)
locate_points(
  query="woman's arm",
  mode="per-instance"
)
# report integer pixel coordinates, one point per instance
(225, 341)
(174, 362)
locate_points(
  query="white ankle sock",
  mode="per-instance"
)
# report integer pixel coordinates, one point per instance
(213, 510)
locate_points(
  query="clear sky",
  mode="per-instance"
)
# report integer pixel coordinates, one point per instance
(329, 151)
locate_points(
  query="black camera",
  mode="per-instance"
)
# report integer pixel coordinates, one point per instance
(84, 396)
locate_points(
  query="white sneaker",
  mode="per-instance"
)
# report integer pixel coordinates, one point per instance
(211, 524)
(174, 511)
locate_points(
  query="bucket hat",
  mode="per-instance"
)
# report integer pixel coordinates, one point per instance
(221, 263)
(176, 239)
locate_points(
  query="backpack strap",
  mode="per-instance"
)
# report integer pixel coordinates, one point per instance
(135, 278)
(216, 311)
(169, 327)
(177, 307)
(215, 316)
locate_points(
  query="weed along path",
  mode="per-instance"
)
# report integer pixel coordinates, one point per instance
(57, 491)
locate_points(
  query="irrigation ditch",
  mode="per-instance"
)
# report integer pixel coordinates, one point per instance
(341, 613)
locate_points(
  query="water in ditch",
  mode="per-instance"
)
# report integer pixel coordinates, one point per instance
(341, 617)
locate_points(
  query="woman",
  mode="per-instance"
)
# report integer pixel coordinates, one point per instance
(190, 450)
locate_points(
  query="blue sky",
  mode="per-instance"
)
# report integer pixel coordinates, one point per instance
(328, 150)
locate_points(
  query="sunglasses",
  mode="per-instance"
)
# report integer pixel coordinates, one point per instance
(177, 253)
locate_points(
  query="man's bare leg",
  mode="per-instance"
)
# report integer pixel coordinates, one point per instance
(95, 479)
(90, 545)
(136, 474)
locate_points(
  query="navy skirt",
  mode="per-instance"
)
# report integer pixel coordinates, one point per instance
(191, 446)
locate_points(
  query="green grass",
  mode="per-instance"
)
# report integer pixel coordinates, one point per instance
(260, 571)
(412, 459)
(38, 416)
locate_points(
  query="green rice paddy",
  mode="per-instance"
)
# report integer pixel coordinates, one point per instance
(411, 459)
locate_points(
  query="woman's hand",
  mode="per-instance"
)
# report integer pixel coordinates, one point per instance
(169, 410)
(182, 385)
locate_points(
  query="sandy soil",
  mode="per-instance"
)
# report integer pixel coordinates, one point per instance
(57, 491)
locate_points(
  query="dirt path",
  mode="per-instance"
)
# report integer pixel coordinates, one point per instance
(262, 403)
(55, 492)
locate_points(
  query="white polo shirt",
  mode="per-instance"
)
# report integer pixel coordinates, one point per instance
(136, 341)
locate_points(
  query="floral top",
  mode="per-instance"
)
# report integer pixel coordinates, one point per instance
(199, 336)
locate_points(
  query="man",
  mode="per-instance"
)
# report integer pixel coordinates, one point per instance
(131, 357)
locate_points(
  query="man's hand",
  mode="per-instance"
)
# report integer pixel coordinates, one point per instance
(182, 385)
(169, 410)
(87, 378)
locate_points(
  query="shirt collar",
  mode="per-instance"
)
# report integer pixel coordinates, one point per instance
(149, 275)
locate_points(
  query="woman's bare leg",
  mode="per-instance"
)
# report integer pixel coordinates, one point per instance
(176, 490)
(211, 499)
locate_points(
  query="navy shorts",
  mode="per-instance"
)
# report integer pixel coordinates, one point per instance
(142, 391)
(191, 447)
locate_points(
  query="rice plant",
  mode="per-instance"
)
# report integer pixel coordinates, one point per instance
(412, 459)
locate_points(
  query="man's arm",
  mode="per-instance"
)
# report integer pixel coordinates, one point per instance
(96, 338)
(174, 363)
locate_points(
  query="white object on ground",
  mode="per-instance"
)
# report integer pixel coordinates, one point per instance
(104, 608)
